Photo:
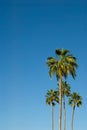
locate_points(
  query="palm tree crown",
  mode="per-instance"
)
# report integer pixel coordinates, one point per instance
(65, 89)
(62, 66)
(75, 100)
(51, 97)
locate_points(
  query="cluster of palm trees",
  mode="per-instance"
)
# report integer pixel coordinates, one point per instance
(62, 66)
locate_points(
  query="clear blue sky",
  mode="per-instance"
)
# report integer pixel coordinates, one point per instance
(30, 31)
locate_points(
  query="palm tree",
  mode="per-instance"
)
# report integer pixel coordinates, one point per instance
(74, 100)
(51, 98)
(62, 66)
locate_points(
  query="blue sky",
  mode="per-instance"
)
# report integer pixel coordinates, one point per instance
(30, 31)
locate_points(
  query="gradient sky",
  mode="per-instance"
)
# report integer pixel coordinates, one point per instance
(30, 31)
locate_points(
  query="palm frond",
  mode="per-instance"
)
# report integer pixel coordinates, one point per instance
(61, 52)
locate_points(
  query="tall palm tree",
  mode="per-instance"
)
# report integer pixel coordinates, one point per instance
(51, 98)
(62, 66)
(74, 100)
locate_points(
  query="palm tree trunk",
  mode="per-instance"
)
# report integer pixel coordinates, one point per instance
(64, 113)
(52, 121)
(72, 118)
(60, 105)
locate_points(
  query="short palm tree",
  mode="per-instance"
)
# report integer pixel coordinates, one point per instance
(51, 99)
(62, 66)
(74, 100)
